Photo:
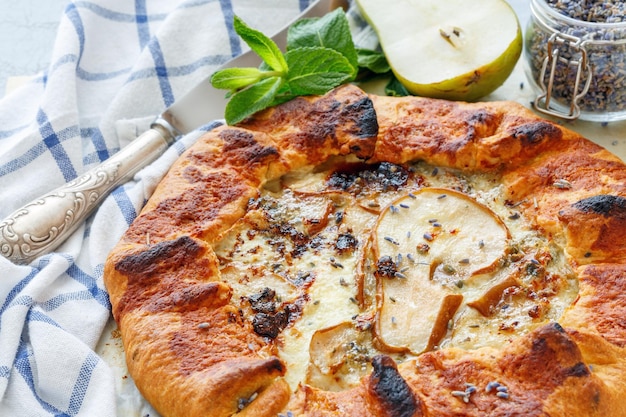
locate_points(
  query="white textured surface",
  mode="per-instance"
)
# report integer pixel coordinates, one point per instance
(27, 33)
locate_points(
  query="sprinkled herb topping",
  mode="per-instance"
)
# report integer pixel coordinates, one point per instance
(243, 402)
(448, 269)
(500, 390)
(465, 395)
(491, 386)
(511, 204)
(404, 261)
(382, 177)
(562, 183)
(392, 240)
(460, 394)
(335, 264)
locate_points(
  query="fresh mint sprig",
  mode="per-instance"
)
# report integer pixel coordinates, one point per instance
(320, 55)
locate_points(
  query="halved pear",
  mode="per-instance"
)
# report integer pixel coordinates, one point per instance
(452, 49)
(427, 245)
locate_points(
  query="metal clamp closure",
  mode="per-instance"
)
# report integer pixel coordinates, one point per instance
(557, 43)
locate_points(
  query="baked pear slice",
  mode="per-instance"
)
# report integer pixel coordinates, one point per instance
(427, 245)
(340, 357)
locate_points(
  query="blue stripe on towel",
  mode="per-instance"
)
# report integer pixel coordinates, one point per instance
(161, 72)
(52, 140)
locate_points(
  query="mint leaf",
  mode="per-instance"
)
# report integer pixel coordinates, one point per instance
(316, 70)
(395, 88)
(373, 60)
(330, 31)
(283, 95)
(235, 78)
(320, 56)
(262, 45)
(251, 100)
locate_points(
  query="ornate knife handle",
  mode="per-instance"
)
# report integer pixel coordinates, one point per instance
(43, 224)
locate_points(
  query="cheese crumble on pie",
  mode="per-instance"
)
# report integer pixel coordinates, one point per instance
(357, 255)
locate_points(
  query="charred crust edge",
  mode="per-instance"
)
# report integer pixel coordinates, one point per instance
(168, 252)
(365, 119)
(537, 132)
(391, 389)
(606, 205)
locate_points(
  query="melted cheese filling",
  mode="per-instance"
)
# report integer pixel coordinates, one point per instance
(304, 269)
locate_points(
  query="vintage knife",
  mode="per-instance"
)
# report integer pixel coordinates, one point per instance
(43, 224)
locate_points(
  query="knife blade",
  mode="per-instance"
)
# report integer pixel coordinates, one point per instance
(43, 224)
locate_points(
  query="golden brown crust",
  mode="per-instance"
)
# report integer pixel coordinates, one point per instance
(470, 136)
(600, 308)
(187, 348)
(540, 373)
(531, 369)
(191, 352)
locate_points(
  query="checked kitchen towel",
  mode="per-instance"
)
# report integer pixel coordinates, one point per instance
(116, 64)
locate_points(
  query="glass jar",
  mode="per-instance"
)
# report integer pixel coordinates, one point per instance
(578, 66)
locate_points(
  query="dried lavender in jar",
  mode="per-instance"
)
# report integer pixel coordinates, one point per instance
(601, 26)
(607, 11)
